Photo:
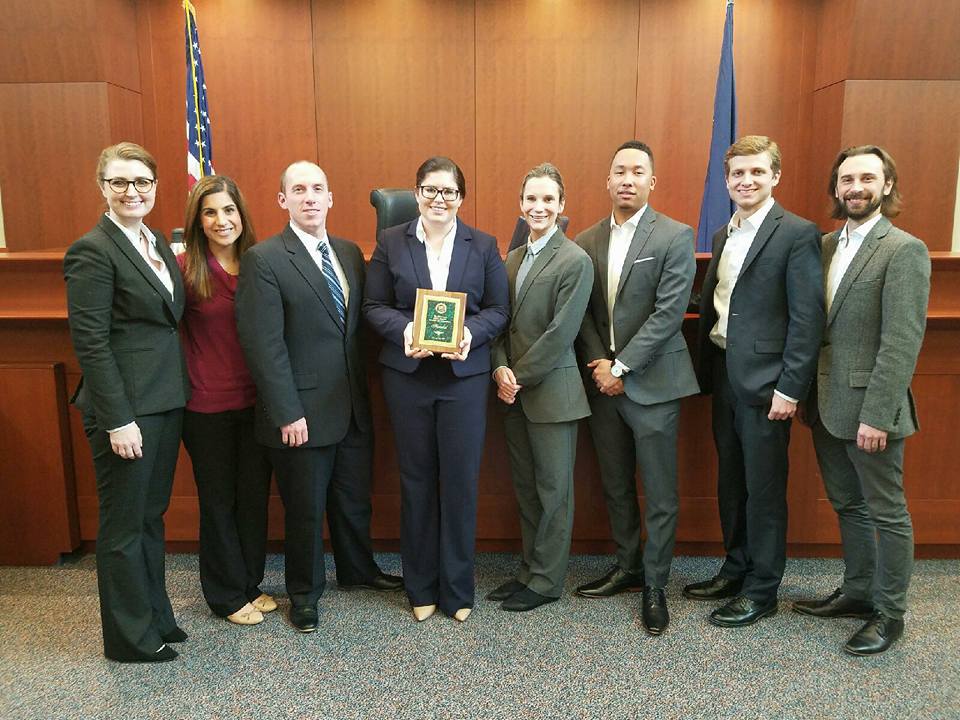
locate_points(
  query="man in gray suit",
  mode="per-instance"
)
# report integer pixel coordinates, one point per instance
(877, 285)
(538, 380)
(637, 369)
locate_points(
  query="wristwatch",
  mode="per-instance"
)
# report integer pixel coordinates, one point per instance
(616, 369)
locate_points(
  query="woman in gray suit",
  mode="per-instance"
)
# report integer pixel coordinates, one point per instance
(125, 297)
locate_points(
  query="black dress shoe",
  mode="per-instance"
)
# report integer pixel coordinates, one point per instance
(303, 618)
(837, 605)
(502, 592)
(381, 583)
(526, 600)
(174, 636)
(876, 636)
(742, 611)
(655, 615)
(164, 654)
(716, 588)
(614, 582)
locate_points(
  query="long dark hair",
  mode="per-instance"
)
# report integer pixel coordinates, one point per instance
(196, 273)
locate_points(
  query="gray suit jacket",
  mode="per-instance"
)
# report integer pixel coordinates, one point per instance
(873, 335)
(651, 299)
(544, 321)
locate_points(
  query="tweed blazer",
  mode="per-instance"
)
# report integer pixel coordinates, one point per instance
(873, 334)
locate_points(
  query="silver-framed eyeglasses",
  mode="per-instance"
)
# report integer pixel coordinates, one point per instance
(430, 192)
(119, 185)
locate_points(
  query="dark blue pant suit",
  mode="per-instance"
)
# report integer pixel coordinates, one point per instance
(437, 407)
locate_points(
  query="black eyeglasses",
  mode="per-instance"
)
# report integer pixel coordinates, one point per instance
(120, 185)
(430, 192)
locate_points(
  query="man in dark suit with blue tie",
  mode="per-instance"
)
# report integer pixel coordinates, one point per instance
(298, 314)
(761, 320)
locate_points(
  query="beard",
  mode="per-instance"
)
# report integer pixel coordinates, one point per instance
(866, 211)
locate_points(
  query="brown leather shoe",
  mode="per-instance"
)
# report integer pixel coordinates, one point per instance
(837, 605)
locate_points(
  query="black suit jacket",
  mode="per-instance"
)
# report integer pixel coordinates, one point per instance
(123, 323)
(776, 312)
(399, 266)
(304, 362)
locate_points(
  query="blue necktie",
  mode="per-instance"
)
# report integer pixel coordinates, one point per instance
(528, 260)
(333, 282)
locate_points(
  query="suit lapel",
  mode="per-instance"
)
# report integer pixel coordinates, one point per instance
(418, 254)
(602, 245)
(770, 223)
(134, 256)
(870, 245)
(305, 265)
(170, 260)
(514, 258)
(640, 237)
(540, 262)
(458, 260)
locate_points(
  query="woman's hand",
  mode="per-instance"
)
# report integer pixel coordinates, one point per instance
(464, 347)
(127, 442)
(507, 387)
(408, 348)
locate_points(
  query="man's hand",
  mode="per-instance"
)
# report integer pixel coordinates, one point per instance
(507, 386)
(781, 409)
(127, 442)
(871, 440)
(294, 434)
(408, 348)
(464, 347)
(606, 383)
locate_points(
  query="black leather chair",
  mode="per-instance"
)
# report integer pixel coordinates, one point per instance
(394, 206)
(521, 231)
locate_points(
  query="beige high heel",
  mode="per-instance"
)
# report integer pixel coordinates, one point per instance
(247, 615)
(422, 612)
(462, 614)
(265, 603)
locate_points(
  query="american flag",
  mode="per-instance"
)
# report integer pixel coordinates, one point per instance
(199, 145)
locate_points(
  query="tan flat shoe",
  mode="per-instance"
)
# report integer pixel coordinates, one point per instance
(422, 612)
(247, 615)
(462, 614)
(265, 603)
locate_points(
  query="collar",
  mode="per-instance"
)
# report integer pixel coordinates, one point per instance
(632, 221)
(861, 232)
(422, 233)
(310, 242)
(134, 234)
(754, 221)
(534, 248)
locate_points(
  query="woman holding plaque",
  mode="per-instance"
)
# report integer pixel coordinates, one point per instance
(437, 401)
(125, 298)
(230, 468)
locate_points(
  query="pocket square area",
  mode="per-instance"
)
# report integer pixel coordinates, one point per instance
(640, 260)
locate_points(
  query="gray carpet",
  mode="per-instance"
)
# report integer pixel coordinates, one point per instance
(575, 658)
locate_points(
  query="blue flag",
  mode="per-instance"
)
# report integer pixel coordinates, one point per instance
(199, 146)
(716, 206)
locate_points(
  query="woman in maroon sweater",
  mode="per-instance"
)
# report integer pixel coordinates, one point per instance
(231, 470)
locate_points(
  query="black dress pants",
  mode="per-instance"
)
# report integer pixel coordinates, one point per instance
(232, 473)
(133, 496)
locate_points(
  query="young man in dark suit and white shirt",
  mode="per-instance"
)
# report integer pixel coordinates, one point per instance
(637, 367)
(298, 314)
(877, 286)
(761, 320)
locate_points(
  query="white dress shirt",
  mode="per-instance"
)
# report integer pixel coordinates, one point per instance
(848, 244)
(153, 258)
(438, 262)
(310, 243)
(620, 238)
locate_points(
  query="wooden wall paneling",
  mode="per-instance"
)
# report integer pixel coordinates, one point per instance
(555, 82)
(892, 113)
(394, 85)
(894, 40)
(259, 73)
(834, 30)
(68, 127)
(827, 128)
(39, 519)
(50, 41)
(125, 115)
